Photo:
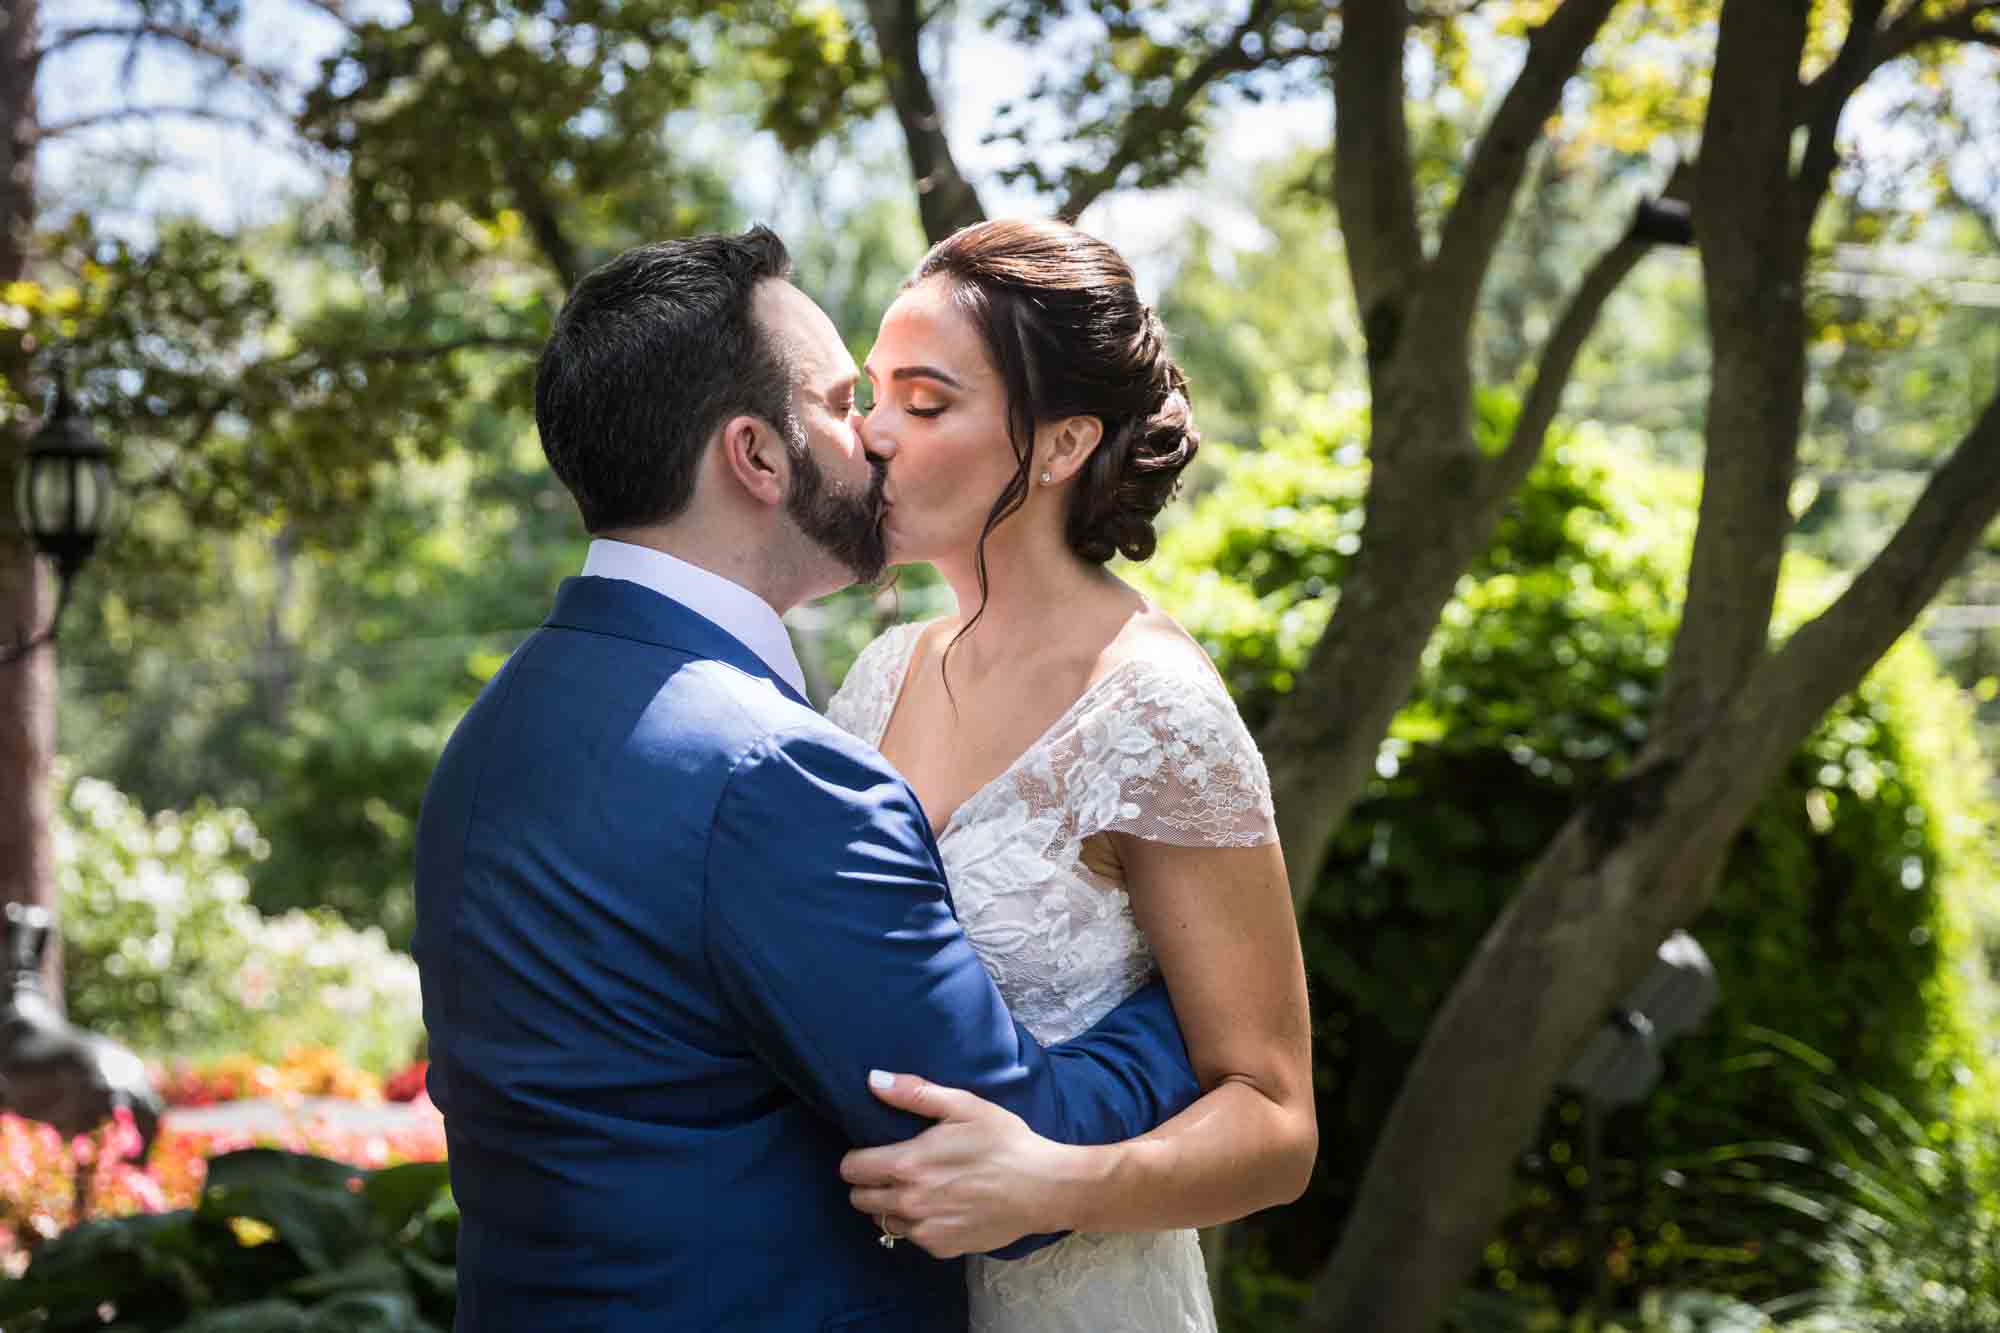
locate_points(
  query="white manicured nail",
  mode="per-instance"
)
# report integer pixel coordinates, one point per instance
(881, 1078)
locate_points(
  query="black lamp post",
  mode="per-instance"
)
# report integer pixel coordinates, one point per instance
(63, 499)
(49, 1070)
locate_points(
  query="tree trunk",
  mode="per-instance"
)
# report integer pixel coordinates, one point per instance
(1419, 533)
(1433, 500)
(27, 684)
(945, 199)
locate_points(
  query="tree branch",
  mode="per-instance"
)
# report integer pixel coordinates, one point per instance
(945, 198)
(1558, 361)
(1828, 656)
(1913, 30)
(268, 81)
(532, 198)
(1373, 182)
(1906, 33)
(248, 124)
(1472, 229)
(1830, 93)
(1148, 124)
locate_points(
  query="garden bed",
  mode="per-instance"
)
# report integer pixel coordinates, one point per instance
(305, 1104)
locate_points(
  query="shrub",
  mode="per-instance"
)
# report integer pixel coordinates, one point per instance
(277, 1241)
(1835, 923)
(162, 950)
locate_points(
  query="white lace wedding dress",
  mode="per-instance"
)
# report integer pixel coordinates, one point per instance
(1156, 751)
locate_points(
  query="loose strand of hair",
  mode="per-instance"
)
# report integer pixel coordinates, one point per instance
(1020, 437)
(1011, 499)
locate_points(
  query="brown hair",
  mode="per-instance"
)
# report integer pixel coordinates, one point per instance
(1060, 314)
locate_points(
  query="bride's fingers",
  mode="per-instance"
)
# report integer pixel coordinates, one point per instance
(875, 1202)
(871, 1166)
(920, 1096)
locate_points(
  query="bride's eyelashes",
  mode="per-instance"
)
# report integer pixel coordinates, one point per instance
(865, 402)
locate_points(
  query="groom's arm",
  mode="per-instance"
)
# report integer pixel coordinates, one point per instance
(831, 936)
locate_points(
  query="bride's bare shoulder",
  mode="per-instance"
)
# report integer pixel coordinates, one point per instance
(1152, 636)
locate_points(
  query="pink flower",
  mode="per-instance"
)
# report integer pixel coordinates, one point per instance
(122, 1142)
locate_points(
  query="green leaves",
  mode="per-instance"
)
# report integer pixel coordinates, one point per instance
(280, 1242)
(815, 73)
(155, 1259)
(314, 1204)
(560, 117)
(1132, 85)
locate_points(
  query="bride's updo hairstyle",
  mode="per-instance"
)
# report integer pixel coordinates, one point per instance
(1063, 324)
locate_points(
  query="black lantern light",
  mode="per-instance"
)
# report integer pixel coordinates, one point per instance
(63, 499)
(1621, 1062)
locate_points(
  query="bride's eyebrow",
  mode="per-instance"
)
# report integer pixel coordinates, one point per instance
(925, 373)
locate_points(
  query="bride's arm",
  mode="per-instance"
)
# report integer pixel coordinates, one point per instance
(1221, 925)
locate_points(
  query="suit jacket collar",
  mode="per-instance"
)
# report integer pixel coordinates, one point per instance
(626, 610)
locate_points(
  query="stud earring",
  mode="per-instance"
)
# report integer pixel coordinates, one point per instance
(1046, 479)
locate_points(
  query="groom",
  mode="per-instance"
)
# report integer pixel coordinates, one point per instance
(668, 918)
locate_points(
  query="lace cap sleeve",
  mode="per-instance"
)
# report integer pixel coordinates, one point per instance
(1174, 763)
(862, 704)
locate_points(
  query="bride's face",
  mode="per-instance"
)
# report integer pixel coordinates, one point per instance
(940, 418)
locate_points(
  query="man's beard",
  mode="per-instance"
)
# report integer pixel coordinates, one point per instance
(843, 522)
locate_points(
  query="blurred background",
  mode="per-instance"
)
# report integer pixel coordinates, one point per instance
(1488, 342)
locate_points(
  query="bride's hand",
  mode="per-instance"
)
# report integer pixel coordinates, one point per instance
(975, 1181)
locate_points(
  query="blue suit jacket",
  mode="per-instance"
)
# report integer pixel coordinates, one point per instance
(668, 917)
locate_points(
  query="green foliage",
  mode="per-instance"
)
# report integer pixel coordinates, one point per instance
(228, 410)
(1910, 1234)
(1657, 1312)
(163, 951)
(1835, 924)
(313, 682)
(1916, 1243)
(1133, 84)
(280, 1241)
(560, 115)
(1255, 326)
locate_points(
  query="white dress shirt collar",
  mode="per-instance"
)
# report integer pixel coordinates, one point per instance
(736, 610)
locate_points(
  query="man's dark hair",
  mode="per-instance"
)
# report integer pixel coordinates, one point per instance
(651, 353)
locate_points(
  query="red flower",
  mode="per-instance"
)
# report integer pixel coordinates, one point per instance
(406, 1085)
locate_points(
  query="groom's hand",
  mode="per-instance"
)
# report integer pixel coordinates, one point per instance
(976, 1180)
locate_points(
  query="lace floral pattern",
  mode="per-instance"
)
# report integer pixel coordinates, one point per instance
(1157, 751)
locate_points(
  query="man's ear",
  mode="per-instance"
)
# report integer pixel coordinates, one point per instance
(1066, 446)
(754, 457)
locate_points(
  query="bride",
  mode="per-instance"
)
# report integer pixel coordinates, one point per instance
(1099, 806)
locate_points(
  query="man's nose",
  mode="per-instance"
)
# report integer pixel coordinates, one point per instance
(875, 443)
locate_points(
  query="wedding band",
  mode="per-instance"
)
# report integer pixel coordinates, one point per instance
(887, 1240)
